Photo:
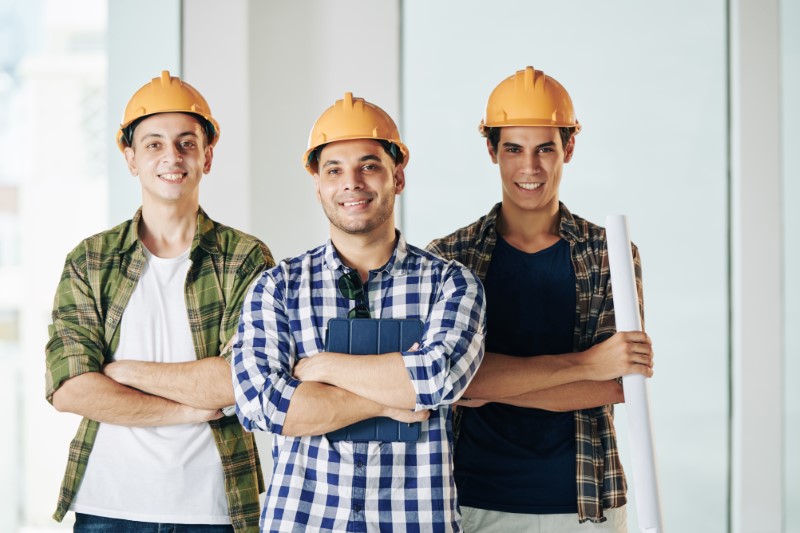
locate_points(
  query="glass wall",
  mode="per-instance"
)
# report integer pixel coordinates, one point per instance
(653, 147)
(790, 66)
(52, 193)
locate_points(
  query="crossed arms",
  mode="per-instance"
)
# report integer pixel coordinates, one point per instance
(140, 394)
(291, 394)
(129, 393)
(565, 382)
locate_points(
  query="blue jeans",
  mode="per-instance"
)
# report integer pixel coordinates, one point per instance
(87, 523)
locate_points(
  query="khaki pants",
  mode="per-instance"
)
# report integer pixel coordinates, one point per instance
(482, 521)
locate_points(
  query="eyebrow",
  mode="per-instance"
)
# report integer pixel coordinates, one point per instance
(179, 136)
(368, 157)
(515, 145)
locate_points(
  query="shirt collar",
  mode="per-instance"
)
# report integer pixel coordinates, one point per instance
(567, 226)
(204, 237)
(395, 266)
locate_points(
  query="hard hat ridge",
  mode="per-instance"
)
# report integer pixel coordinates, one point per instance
(529, 98)
(166, 94)
(353, 118)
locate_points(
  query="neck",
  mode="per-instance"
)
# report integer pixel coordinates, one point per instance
(528, 231)
(365, 252)
(166, 230)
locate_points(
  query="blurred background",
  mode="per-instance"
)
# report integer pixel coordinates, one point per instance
(687, 109)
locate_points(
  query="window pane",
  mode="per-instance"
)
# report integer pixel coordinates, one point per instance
(52, 194)
(790, 63)
(653, 146)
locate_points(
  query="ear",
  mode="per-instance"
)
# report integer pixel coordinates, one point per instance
(209, 158)
(569, 149)
(399, 178)
(130, 160)
(492, 153)
(316, 187)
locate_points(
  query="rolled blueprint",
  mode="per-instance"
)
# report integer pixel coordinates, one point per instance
(637, 405)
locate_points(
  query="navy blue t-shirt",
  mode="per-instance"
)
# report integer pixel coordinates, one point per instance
(509, 458)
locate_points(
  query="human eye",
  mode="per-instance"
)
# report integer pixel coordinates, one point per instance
(187, 145)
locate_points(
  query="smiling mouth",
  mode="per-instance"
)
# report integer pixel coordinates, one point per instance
(354, 203)
(172, 177)
(529, 186)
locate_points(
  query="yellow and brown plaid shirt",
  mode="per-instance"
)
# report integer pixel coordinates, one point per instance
(99, 277)
(600, 478)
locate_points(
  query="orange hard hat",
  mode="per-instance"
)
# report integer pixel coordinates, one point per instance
(167, 94)
(529, 98)
(352, 118)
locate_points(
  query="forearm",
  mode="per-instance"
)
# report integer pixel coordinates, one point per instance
(100, 398)
(317, 408)
(204, 384)
(571, 397)
(503, 376)
(381, 378)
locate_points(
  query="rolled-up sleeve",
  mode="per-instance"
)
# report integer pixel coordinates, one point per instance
(453, 343)
(263, 356)
(76, 344)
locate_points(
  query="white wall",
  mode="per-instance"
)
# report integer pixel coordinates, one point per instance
(756, 257)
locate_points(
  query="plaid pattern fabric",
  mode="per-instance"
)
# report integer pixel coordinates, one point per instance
(342, 486)
(99, 277)
(600, 478)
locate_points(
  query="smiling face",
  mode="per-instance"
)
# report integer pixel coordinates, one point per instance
(356, 184)
(531, 160)
(170, 156)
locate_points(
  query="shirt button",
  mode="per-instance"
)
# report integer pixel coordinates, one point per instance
(357, 507)
(360, 464)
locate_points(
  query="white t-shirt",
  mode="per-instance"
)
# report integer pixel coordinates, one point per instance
(167, 474)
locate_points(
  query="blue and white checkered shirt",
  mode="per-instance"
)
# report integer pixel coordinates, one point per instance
(376, 486)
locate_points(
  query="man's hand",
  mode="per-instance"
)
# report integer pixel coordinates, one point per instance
(404, 415)
(471, 402)
(309, 368)
(116, 371)
(195, 415)
(627, 352)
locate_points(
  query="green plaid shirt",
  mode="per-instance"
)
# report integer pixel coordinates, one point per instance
(600, 478)
(99, 277)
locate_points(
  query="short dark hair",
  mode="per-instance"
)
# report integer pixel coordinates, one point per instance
(389, 147)
(493, 134)
(208, 129)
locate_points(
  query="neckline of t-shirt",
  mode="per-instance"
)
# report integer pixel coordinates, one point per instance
(183, 256)
(544, 251)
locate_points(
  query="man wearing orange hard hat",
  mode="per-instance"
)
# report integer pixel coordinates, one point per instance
(328, 475)
(536, 449)
(140, 341)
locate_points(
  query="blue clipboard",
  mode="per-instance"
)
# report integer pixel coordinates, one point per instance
(362, 336)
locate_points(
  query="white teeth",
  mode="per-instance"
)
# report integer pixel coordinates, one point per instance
(529, 186)
(171, 177)
(350, 204)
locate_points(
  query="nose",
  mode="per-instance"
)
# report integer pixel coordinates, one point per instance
(531, 163)
(352, 181)
(172, 153)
